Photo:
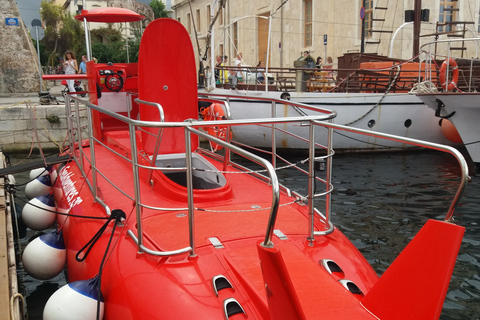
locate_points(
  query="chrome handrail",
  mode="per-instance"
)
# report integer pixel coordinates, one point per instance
(192, 126)
(271, 174)
(420, 143)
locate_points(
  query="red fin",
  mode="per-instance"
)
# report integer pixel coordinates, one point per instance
(282, 299)
(415, 285)
(167, 75)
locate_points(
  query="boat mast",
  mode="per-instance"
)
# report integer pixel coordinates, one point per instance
(417, 11)
(210, 39)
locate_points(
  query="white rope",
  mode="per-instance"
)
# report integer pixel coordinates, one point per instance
(424, 87)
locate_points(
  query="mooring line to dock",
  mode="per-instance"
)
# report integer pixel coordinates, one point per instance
(21, 304)
(27, 102)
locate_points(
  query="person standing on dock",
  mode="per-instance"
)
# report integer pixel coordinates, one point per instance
(71, 67)
(238, 63)
(60, 66)
(83, 69)
(318, 64)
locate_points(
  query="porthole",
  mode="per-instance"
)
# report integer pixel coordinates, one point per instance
(371, 123)
(408, 123)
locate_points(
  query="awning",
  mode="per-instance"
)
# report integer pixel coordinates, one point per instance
(109, 15)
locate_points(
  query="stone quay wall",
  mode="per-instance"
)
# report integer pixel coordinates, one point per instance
(17, 127)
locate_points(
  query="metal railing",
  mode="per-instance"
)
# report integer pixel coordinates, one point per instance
(469, 68)
(191, 127)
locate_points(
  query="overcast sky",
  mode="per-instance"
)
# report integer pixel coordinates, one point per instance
(29, 10)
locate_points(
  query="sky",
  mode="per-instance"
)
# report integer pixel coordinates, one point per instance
(29, 10)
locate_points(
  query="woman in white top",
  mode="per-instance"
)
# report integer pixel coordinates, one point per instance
(70, 66)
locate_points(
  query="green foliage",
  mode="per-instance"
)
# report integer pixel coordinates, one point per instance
(109, 52)
(159, 10)
(106, 35)
(62, 33)
(110, 46)
(71, 35)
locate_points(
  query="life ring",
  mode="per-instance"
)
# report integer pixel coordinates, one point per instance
(453, 68)
(212, 113)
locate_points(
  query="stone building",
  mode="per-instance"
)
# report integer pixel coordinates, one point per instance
(323, 27)
(18, 58)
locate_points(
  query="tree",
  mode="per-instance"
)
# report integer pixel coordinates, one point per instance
(108, 45)
(159, 10)
(62, 33)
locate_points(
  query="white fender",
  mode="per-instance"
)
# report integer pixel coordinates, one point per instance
(38, 187)
(75, 301)
(45, 256)
(35, 173)
(35, 217)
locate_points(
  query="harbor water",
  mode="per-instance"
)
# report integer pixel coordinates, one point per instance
(380, 202)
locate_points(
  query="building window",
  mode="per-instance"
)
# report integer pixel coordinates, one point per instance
(447, 14)
(189, 23)
(235, 36)
(220, 16)
(368, 18)
(199, 26)
(308, 23)
(179, 20)
(209, 17)
(478, 21)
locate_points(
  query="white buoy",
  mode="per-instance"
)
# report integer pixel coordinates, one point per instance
(38, 187)
(45, 256)
(35, 173)
(75, 301)
(38, 214)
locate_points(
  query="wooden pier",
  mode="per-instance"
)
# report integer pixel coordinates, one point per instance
(9, 304)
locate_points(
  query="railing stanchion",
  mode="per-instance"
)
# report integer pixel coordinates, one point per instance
(69, 124)
(274, 139)
(228, 153)
(79, 134)
(311, 181)
(136, 186)
(329, 168)
(92, 155)
(191, 211)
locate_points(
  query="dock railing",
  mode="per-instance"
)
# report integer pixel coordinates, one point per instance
(91, 171)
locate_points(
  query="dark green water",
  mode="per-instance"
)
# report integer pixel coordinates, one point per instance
(380, 202)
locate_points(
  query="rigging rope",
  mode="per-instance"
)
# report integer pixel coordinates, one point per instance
(391, 84)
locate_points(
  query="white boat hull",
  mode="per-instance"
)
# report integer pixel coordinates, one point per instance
(399, 114)
(466, 117)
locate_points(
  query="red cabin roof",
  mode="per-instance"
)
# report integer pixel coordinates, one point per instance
(109, 15)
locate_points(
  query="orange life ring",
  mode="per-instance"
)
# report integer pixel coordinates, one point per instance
(453, 68)
(212, 113)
